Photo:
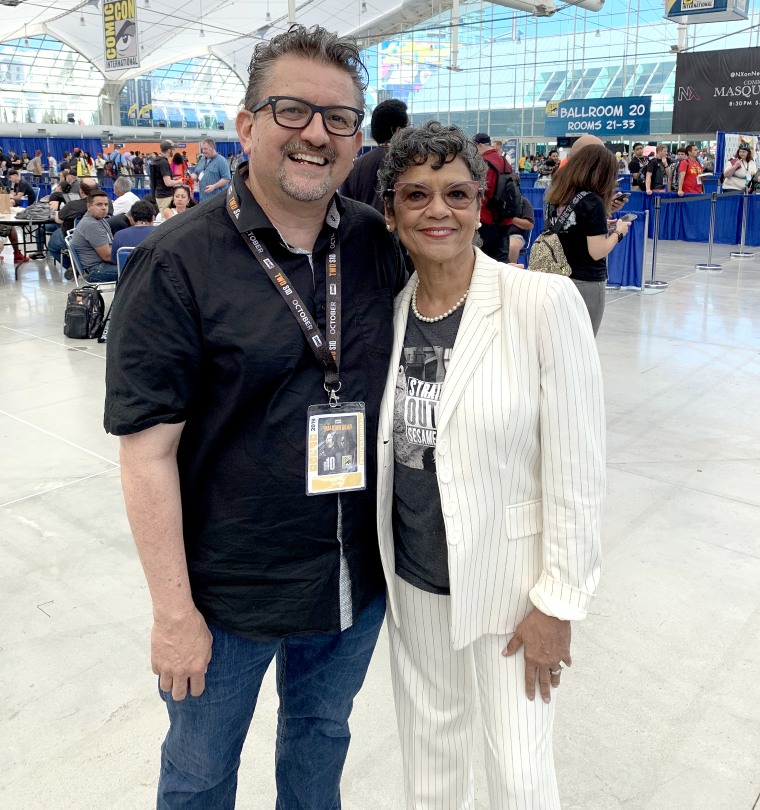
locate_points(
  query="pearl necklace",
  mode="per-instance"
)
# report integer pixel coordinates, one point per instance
(438, 317)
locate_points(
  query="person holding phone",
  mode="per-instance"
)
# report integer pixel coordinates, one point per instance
(739, 170)
(585, 237)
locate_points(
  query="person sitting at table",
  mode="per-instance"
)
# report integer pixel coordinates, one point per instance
(66, 217)
(182, 199)
(141, 215)
(9, 232)
(125, 197)
(20, 189)
(92, 240)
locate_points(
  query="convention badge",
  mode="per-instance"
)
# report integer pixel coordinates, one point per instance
(336, 448)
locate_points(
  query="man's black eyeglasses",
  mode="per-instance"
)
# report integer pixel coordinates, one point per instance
(295, 113)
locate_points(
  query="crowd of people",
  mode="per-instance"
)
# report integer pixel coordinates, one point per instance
(78, 203)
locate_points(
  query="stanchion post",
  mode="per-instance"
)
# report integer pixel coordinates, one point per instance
(654, 286)
(646, 240)
(742, 253)
(710, 267)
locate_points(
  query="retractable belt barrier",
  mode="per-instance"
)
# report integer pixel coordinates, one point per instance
(653, 285)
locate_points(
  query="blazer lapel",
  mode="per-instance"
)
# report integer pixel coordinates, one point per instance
(476, 331)
(400, 316)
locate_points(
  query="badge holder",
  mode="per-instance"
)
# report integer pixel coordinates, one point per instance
(336, 448)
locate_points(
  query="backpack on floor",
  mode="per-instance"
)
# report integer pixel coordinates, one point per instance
(506, 200)
(85, 310)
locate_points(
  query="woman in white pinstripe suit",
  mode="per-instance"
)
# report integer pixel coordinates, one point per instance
(490, 486)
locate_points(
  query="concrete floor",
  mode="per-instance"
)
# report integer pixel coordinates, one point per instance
(658, 711)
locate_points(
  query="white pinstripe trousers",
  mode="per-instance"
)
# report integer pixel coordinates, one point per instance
(435, 688)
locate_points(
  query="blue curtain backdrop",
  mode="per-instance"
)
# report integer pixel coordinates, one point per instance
(625, 265)
(688, 220)
(57, 146)
(51, 146)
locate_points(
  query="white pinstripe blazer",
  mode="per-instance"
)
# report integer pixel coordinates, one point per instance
(520, 454)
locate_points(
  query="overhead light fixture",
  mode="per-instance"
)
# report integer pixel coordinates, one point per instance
(81, 20)
(598, 33)
(364, 8)
(268, 17)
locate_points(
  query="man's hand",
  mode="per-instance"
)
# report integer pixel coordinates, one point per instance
(180, 652)
(547, 643)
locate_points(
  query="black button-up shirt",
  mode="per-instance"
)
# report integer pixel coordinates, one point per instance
(199, 334)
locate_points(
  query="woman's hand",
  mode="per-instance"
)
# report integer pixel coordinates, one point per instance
(622, 226)
(547, 647)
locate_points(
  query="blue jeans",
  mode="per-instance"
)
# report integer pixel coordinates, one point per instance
(101, 272)
(55, 246)
(318, 676)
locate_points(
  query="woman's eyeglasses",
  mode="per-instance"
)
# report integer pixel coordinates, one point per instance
(295, 113)
(416, 196)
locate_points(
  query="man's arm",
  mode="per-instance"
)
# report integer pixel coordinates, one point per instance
(104, 251)
(224, 180)
(522, 223)
(180, 641)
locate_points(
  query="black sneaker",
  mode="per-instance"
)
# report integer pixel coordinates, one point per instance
(38, 255)
(68, 274)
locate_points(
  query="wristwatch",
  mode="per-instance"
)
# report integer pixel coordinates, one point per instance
(620, 235)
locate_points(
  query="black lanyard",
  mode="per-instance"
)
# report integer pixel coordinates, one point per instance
(326, 351)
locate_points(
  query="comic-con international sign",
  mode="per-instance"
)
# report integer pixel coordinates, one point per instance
(702, 11)
(717, 90)
(120, 35)
(599, 116)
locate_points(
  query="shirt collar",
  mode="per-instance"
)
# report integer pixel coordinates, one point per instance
(252, 217)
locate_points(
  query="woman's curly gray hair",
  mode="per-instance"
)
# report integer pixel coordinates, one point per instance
(414, 146)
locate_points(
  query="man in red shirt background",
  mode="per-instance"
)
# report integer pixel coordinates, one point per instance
(495, 237)
(689, 171)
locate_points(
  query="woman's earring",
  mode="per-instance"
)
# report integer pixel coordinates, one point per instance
(389, 227)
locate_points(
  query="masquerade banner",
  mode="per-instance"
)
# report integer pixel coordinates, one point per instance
(717, 90)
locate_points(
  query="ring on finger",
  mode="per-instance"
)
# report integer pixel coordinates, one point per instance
(555, 672)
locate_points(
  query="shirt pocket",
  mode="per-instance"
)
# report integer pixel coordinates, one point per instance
(374, 313)
(524, 519)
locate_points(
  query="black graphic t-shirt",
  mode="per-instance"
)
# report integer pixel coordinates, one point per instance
(418, 528)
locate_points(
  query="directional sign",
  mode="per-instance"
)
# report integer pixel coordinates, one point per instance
(599, 116)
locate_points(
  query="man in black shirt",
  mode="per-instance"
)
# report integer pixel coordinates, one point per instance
(361, 183)
(656, 171)
(210, 381)
(162, 182)
(636, 164)
(19, 189)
